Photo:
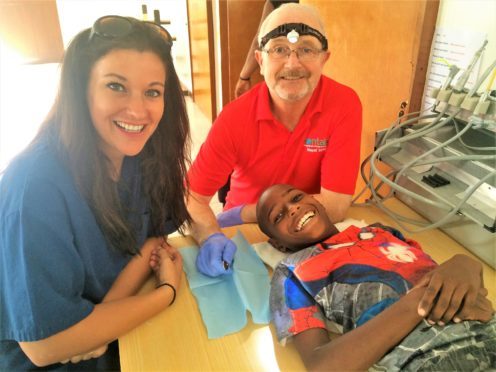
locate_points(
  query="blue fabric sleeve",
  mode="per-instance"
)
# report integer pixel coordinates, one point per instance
(42, 275)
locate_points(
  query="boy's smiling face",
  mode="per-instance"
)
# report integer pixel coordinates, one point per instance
(292, 217)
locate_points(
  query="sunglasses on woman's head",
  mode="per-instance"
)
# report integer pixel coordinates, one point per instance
(114, 27)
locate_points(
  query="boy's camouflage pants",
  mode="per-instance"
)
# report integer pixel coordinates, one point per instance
(466, 346)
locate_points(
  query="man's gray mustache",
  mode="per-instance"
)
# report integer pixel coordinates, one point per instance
(293, 73)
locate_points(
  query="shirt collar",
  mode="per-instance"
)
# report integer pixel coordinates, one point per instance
(263, 104)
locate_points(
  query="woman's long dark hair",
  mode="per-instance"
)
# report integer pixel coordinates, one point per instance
(163, 160)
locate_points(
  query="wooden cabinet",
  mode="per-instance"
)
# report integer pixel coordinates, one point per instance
(31, 29)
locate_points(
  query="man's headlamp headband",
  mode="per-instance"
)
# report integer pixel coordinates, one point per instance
(293, 31)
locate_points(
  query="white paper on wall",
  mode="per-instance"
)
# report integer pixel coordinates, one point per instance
(451, 47)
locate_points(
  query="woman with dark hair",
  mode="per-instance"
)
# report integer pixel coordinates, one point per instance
(85, 209)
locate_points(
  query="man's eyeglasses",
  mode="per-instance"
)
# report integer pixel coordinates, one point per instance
(114, 27)
(303, 53)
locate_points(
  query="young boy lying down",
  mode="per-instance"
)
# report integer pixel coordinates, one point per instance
(374, 284)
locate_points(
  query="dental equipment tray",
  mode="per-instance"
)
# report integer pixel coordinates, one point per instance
(474, 225)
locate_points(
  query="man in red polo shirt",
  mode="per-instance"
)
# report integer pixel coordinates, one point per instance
(298, 127)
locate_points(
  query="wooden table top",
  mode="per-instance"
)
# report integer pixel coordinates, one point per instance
(176, 339)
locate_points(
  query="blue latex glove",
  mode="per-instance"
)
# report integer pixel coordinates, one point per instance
(230, 217)
(216, 255)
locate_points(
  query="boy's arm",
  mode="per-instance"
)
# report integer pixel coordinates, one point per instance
(452, 287)
(451, 290)
(362, 347)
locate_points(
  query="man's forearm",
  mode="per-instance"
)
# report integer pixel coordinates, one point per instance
(204, 222)
(336, 204)
(249, 214)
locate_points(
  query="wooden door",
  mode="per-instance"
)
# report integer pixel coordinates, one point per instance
(381, 49)
(239, 20)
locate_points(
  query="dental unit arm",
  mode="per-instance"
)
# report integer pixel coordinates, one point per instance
(435, 171)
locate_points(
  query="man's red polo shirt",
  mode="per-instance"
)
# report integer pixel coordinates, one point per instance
(246, 139)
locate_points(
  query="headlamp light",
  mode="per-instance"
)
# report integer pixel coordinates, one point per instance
(293, 36)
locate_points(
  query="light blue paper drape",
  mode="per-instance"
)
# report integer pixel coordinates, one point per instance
(223, 301)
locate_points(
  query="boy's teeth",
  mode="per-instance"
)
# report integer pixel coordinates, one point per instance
(129, 127)
(304, 220)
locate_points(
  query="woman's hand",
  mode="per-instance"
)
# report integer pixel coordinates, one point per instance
(167, 264)
(452, 288)
(93, 354)
(151, 244)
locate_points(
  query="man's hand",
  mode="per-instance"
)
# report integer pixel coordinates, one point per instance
(216, 255)
(452, 288)
(231, 217)
(242, 86)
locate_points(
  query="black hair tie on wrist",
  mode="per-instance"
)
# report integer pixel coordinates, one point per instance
(244, 79)
(173, 291)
